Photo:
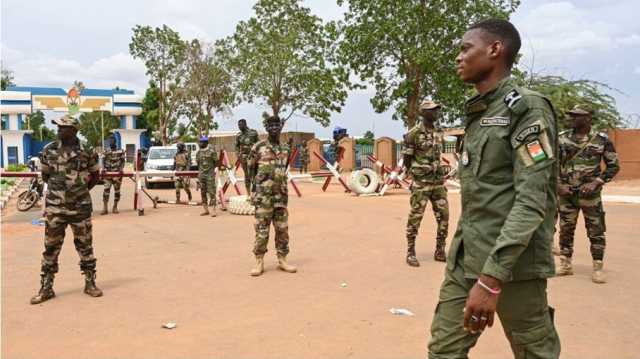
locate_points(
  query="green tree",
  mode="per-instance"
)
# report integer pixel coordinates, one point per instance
(208, 87)
(368, 139)
(6, 79)
(163, 53)
(90, 126)
(282, 59)
(148, 119)
(564, 94)
(36, 123)
(407, 49)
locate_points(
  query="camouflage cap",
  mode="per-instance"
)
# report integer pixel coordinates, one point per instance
(581, 109)
(429, 105)
(66, 120)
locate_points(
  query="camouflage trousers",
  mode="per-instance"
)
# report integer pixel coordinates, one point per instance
(182, 183)
(208, 189)
(115, 183)
(247, 178)
(591, 205)
(279, 216)
(437, 194)
(54, 231)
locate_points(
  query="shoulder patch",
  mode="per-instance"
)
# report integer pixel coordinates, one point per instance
(512, 98)
(495, 121)
(534, 129)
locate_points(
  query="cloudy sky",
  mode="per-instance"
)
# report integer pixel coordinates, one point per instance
(53, 43)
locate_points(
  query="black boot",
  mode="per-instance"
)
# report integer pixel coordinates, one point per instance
(90, 287)
(46, 289)
(439, 255)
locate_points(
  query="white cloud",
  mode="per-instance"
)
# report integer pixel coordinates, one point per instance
(42, 70)
(637, 70)
(633, 39)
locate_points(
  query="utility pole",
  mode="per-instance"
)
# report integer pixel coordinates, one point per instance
(102, 129)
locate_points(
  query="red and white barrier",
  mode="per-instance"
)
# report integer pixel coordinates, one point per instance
(334, 171)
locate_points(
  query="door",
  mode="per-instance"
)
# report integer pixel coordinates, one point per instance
(130, 151)
(12, 154)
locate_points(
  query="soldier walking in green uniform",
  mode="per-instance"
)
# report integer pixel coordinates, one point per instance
(69, 173)
(268, 160)
(245, 140)
(113, 161)
(581, 180)
(500, 256)
(304, 157)
(182, 160)
(422, 150)
(207, 159)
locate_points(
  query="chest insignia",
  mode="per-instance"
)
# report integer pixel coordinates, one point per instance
(495, 121)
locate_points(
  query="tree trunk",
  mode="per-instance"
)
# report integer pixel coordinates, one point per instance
(162, 119)
(413, 99)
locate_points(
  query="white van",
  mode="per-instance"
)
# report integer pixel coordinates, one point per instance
(159, 158)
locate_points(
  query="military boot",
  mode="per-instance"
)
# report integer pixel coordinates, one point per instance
(114, 210)
(178, 197)
(259, 268)
(565, 267)
(206, 209)
(439, 254)
(213, 211)
(188, 195)
(46, 289)
(411, 256)
(598, 275)
(105, 207)
(283, 265)
(90, 287)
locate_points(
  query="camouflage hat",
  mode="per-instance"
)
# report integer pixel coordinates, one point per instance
(429, 105)
(66, 120)
(581, 109)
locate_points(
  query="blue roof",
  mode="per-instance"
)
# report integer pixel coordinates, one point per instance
(56, 91)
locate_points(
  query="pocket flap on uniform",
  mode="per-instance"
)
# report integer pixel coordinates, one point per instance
(532, 335)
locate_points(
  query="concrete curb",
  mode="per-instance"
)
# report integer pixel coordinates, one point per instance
(621, 199)
(10, 192)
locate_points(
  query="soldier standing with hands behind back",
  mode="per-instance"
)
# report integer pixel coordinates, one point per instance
(422, 150)
(245, 140)
(69, 173)
(580, 186)
(182, 161)
(207, 159)
(269, 160)
(113, 161)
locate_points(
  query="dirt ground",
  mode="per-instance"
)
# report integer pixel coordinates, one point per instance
(172, 265)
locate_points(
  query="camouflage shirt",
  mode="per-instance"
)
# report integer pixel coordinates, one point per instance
(66, 175)
(244, 143)
(425, 146)
(271, 175)
(581, 158)
(207, 160)
(304, 154)
(182, 161)
(113, 161)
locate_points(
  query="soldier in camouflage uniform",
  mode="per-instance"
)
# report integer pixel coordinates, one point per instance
(245, 140)
(113, 161)
(423, 146)
(269, 160)
(182, 161)
(581, 181)
(304, 157)
(69, 173)
(207, 159)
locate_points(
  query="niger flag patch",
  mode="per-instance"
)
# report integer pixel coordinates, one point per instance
(536, 151)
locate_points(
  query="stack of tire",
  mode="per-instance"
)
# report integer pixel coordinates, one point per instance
(241, 205)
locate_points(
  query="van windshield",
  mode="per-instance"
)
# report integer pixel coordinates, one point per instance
(162, 153)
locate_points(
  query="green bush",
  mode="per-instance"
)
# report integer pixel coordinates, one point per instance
(17, 168)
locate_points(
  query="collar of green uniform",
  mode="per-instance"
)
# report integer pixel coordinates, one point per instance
(480, 102)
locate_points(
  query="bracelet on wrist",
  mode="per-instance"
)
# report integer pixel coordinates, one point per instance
(489, 289)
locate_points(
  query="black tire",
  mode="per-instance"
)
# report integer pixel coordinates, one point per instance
(148, 184)
(26, 200)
